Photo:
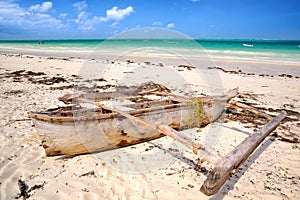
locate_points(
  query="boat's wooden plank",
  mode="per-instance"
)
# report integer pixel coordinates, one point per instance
(96, 116)
(233, 159)
(119, 94)
(153, 103)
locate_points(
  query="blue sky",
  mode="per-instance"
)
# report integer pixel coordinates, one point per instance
(63, 19)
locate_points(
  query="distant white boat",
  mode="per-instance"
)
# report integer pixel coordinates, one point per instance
(247, 45)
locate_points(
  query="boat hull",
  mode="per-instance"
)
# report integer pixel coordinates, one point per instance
(93, 135)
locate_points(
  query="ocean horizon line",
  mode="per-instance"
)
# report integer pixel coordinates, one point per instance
(146, 38)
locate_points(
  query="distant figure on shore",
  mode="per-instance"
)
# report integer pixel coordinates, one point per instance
(40, 42)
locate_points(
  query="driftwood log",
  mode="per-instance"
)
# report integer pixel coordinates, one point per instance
(236, 157)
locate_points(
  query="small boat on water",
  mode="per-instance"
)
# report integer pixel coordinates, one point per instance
(247, 45)
(74, 129)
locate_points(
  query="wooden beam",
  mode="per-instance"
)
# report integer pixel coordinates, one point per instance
(249, 108)
(164, 129)
(221, 172)
(168, 131)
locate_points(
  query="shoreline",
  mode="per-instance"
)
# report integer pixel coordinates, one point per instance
(248, 66)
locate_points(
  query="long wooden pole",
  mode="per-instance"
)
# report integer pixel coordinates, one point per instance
(221, 172)
(249, 108)
(164, 129)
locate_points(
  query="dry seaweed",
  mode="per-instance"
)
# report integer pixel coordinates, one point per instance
(228, 71)
(152, 85)
(90, 173)
(253, 121)
(33, 77)
(23, 187)
(188, 67)
(13, 92)
(196, 116)
(48, 81)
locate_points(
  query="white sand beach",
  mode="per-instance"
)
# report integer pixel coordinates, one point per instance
(271, 172)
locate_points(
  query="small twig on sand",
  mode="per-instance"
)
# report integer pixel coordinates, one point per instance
(16, 120)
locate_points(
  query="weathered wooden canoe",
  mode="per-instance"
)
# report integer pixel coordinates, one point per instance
(73, 130)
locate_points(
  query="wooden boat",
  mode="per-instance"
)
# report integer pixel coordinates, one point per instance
(74, 130)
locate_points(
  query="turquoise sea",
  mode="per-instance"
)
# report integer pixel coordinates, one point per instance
(283, 50)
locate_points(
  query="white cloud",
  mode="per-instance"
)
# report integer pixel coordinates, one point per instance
(11, 12)
(63, 15)
(195, 0)
(157, 24)
(84, 22)
(87, 22)
(80, 5)
(15, 17)
(87, 25)
(81, 17)
(114, 24)
(44, 7)
(117, 14)
(44, 20)
(171, 25)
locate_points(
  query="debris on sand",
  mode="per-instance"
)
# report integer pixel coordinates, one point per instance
(23, 187)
